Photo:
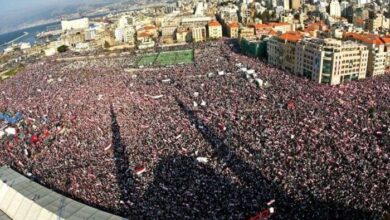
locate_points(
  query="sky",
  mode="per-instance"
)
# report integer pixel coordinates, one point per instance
(15, 13)
(8, 6)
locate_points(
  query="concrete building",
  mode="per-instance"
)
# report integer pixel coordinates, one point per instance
(227, 14)
(125, 35)
(378, 23)
(199, 34)
(105, 38)
(264, 30)
(246, 32)
(195, 21)
(232, 29)
(93, 30)
(123, 22)
(90, 34)
(285, 4)
(321, 6)
(72, 37)
(245, 14)
(331, 61)
(344, 8)
(335, 9)
(201, 7)
(254, 47)
(360, 16)
(377, 56)
(150, 29)
(281, 27)
(295, 4)
(328, 61)
(360, 2)
(77, 24)
(281, 50)
(183, 35)
(119, 34)
(145, 40)
(169, 30)
(214, 30)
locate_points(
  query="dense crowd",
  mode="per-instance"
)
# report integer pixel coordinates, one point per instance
(202, 140)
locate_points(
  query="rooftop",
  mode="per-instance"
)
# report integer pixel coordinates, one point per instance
(233, 25)
(262, 26)
(315, 26)
(292, 36)
(367, 38)
(276, 24)
(214, 23)
(149, 27)
(144, 34)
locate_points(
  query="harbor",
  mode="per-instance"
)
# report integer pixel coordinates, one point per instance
(16, 39)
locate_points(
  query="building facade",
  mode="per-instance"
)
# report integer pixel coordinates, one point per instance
(295, 4)
(377, 55)
(199, 34)
(327, 61)
(232, 29)
(183, 35)
(335, 9)
(378, 23)
(215, 30)
(77, 24)
(168, 30)
(246, 32)
(331, 61)
(281, 50)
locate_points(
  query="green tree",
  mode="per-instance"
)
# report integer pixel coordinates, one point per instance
(106, 44)
(62, 49)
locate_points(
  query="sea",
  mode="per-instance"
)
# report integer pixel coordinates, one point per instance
(30, 38)
(32, 33)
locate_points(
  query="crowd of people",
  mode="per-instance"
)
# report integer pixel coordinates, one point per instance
(201, 140)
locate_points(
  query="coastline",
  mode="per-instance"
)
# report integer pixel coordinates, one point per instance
(25, 33)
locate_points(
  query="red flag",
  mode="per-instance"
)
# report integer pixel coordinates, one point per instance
(46, 133)
(34, 139)
(290, 105)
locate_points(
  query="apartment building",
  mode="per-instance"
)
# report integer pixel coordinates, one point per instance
(76, 24)
(246, 32)
(183, 35)
(328, 61)
(125, 35)
(281, 27)
(215, 29)
(232, 29)
(169, 30)
(335, 8)
(199, 33)
(378, 23)
(281, 50)
(331, 61)
(377, 56)
(295, 4)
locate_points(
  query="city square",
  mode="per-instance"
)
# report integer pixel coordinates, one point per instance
(189, 141)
